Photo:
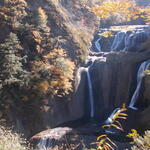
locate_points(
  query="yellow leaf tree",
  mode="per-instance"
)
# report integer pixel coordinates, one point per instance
(53, 75)
(124, 10)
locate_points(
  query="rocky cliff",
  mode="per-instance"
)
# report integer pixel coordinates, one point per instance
(113, 78)
(144, 118)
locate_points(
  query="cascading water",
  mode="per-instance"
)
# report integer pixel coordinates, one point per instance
(97, 44)
(124, 39)
(144, 66)
(91, 99)
(51, 137)
(89, 81)
(118, 42)
(129, 41)
(90, 88)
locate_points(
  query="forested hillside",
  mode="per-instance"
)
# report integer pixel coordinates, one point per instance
(42, 45)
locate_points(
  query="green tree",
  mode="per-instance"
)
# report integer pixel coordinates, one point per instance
(11, 70)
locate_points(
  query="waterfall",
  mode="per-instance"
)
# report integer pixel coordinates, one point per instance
(118, 42)
(90, 88)
(128, 37)
(130, 40)
(144, 66)
(91, 99)
(97, 44)
(124, 40)
(134, 40)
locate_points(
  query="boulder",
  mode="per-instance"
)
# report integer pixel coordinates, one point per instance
(65, 138)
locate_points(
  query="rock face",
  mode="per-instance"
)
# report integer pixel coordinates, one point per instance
(113, 80)
(114, 77)
(147, 88)
(144, 118)
(67, 138)
(113, 88)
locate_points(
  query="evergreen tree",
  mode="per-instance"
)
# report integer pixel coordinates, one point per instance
(11, 69)
(41, 20)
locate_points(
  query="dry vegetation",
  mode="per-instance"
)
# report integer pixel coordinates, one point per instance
(11, 141)
(140, 142)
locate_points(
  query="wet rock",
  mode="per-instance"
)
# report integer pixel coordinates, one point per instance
(144, 119)
(69, 139)
(63, 138)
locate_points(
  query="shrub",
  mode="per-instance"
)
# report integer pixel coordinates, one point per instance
(103, 142)
(145, 13)
(140, 142)
(147, 72)
(11, 141)
(107, 34)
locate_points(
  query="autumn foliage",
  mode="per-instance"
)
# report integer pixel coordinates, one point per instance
(140, 142)
(41, 19)
(107, 34)
(50, 72)
(104, 142)
(54, 75)
(12, 12)
(125, 10)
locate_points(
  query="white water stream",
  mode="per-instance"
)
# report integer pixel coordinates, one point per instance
(118, 41)
(127, 39)
(97, 44)
(91, 98)
(144, 66)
